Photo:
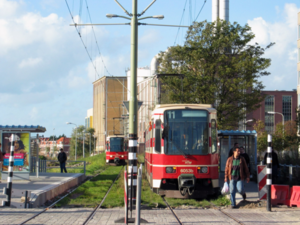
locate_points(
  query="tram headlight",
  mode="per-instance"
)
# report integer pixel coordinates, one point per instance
(170, 169)
(202, 169)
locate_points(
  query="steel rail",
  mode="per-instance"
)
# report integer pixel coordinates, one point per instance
(171, 210)
(225, 213)
(90, 217)
(53, 204)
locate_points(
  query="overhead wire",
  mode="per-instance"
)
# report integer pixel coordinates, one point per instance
(180, 22)
(98, 48)
(85, 47)
(200, 10)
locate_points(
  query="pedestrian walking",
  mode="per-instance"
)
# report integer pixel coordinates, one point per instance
(236, 145)
(275, 165)
(62, 158)
(236, 172)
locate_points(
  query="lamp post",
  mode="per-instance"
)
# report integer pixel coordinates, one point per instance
(282, 118)
(53, 142)
(83, 154)
(76, 139)
(94, 144)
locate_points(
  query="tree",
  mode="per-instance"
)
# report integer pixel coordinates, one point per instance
(220, 67)
(80, 135)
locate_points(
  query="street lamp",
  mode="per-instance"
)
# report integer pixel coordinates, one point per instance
(248, 121)
(282, 118)
(76, 139)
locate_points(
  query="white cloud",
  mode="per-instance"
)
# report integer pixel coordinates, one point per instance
(284, 53)
(30, 62)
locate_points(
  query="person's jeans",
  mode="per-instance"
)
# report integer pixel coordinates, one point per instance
(63, 167)
(235, 186)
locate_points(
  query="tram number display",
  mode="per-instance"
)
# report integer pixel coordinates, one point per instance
(186, 171)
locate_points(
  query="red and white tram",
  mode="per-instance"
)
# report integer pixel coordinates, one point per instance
(181, 156)
(116, 149)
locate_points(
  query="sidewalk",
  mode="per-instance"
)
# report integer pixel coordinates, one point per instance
(43, 188)
(284, 216)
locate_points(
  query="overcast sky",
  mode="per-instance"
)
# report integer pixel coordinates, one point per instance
(46, 74)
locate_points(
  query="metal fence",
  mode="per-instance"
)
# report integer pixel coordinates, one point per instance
(45, 165)
(292, 172)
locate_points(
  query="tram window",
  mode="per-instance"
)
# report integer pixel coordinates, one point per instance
(186, 132)
(158, 135)
(213, 136)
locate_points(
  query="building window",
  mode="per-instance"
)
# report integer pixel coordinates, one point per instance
(299, 100)
(287, 107)
(299, 54)
(298, 77)
(269, 118)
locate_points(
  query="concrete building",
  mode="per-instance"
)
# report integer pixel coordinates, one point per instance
(284, 102)
(108, 96)
(89, 119)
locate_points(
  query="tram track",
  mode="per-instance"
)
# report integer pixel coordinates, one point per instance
(225, 213)
(53, 204)
(90, 217)
(174, 214)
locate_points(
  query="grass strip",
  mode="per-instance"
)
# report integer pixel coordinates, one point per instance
(92, 192)
(94, 164)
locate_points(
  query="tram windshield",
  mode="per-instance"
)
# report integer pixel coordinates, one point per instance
(185, 132)
(117, 144)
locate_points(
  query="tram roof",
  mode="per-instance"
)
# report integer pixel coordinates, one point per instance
(183, 106)
(236, 132)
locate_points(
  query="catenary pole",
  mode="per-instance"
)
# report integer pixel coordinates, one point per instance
(133, 104)
(269, 171)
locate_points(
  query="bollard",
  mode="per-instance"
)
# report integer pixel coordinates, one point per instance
(269, 172)
(37, 167)
(131, 191)
(291, 173)
(26, 198)
(138, 196)
(7, 191)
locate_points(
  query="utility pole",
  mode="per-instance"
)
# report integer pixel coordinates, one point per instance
(132, 160)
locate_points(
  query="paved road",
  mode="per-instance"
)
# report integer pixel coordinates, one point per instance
(288, 216)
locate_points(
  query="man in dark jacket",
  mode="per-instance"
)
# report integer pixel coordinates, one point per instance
(236, 171)
(62, 158)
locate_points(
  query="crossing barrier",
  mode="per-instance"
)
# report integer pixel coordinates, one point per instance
(262, 181)
(280, 195)
(295, 196)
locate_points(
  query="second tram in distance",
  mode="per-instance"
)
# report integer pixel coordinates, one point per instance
(181, 156)
(116, 149)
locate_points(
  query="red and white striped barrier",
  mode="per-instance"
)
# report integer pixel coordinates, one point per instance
(262, 181)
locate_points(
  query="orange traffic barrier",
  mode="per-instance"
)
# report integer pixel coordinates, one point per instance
(295, 196)
(280, 194)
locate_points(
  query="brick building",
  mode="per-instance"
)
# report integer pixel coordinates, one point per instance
(298, 60)
(284, 102)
